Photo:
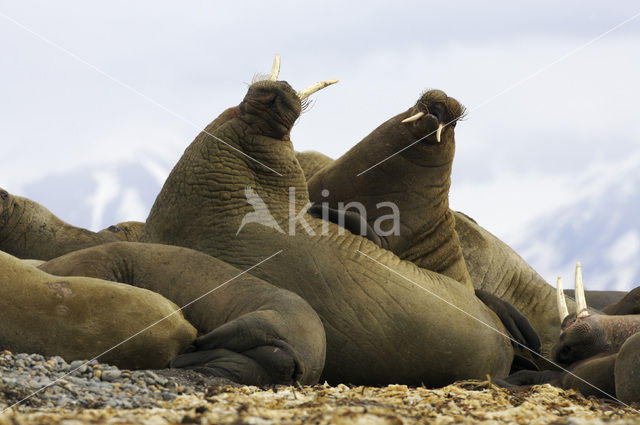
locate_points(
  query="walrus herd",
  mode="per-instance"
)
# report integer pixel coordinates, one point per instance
(264, 265)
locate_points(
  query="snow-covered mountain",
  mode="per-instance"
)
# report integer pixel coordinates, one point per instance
(95, 197)
(599, 226)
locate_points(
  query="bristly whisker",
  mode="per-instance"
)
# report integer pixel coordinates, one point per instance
(259, 76)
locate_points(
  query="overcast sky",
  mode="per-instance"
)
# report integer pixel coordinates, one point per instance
(535, 123)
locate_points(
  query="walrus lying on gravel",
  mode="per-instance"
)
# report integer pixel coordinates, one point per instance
(250, 331)
(602, 351)
(30, 231)
(79, 318)
(382, 320)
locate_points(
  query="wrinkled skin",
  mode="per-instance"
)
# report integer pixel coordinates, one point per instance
(419, 187)
(80, 318)
(30, 231)
(128, 231)
(381, 328)
(250, 331)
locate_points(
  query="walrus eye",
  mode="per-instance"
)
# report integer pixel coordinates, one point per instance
(4, 195)
(114, 229)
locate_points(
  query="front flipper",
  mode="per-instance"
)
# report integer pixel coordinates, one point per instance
(530, 377)
(350, 220)
(514, 322)
(245, 350)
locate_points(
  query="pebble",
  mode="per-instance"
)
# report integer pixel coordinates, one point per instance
(52, 382)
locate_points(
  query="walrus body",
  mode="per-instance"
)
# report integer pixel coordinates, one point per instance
(253, 332)
(30, 231)
(381, 327)
(79, 318)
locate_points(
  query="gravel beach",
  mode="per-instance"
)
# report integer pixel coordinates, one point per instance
(98, 393)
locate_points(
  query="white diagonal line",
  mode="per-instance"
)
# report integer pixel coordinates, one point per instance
(492, 328)
(516, 84)
(141, 331)
(130, 88)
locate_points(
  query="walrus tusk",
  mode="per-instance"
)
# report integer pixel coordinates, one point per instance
(439, 132)
(308, 91)
(414, 117)
(562, 303)
(581, 300)
(275, 69)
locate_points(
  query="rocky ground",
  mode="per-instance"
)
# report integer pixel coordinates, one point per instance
(96, 393)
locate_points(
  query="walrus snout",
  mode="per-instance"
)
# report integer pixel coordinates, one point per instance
(434, 113)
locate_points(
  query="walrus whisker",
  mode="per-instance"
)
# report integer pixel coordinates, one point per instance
(275, 69)
(308, 91)
(581, 300)
(414, 117)
(562, 303)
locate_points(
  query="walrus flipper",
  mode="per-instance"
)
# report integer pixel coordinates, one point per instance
(514, 322)
(530, 377)
(350, 220)
(246, 350)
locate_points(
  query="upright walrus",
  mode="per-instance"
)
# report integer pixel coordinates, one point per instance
(79, 318)
(250, 331)
(388, 166)
(386, 320)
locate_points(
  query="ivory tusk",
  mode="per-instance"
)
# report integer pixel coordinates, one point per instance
(308, 91)
(275, 69)
(562, 303)
(439, 132)
(414, 117)
(581, 300)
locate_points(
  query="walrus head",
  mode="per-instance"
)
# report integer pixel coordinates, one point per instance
(434, 116)
(588, 333)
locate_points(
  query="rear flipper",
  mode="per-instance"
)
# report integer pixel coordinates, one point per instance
(245, 350)
(514, 322)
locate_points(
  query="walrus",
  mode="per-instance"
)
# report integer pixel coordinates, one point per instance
(385, 318)
(602, 352)
(419, 188)
(249, 331)
(30, 231)
(80, 318)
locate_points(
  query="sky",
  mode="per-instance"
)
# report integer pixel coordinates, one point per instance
(551, 87)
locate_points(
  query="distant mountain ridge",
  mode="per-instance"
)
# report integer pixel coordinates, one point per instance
(601, 229)
(95, 197)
